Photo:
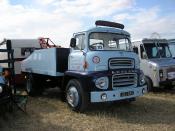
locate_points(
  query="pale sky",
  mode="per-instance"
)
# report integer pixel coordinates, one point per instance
(59, 19)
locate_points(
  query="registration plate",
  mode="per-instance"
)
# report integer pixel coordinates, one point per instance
(130, 93)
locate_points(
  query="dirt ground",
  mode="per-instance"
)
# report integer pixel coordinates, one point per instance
(152, 112)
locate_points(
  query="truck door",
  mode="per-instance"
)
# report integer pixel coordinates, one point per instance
(144, 62)
(76, 57)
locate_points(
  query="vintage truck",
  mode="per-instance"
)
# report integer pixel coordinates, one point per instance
(100, 66)
(156, 62)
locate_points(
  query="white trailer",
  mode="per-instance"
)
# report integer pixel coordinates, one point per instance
(22, 49)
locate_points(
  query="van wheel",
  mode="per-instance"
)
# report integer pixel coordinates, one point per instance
(76, 97)
(149, 84)
(33, 86)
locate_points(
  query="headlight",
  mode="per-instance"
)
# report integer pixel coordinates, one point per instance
(154, 66)
(142, 79)
(1, 89)
(102, 83)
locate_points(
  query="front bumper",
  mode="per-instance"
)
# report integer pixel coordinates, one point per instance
(115, 95)
(167, 82)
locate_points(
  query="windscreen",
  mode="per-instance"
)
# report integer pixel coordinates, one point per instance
(109, 41)
(157, 50)
(172, 49)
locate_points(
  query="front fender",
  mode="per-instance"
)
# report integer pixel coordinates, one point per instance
(87, 79)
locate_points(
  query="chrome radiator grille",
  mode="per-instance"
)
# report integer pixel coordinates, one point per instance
(121, 63)
(124, 80)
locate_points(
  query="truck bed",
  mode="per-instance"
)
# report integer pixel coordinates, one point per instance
(52, 62)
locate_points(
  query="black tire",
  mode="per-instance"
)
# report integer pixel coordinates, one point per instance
(33, 85)
(149, 84)
(83, 100)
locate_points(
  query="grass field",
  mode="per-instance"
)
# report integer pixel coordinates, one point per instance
(152, 112)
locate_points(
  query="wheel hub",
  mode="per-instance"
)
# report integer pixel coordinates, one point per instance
(73, 96)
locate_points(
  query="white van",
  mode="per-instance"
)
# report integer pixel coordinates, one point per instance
(156, 61)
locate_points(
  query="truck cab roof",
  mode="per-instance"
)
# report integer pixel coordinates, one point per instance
(105, 29)
(108, 29)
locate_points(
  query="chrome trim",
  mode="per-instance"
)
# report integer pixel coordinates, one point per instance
(124, 80)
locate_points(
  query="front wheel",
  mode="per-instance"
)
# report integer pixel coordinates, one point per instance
(75, 95)
(149, 84)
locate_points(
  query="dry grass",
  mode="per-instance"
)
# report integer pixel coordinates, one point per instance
(154, 111)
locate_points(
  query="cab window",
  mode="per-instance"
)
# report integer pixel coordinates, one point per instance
(80, 43)
(136, 50)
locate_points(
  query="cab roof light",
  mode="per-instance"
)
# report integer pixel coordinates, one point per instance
(109, 24)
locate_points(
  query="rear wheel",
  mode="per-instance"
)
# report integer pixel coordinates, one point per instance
(75, 95)
(149, 84)
(33, 85)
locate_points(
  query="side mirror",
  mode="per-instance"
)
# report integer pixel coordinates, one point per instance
(73, 42)
(144, 55)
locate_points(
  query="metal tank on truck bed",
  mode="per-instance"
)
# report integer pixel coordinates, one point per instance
(100, 66)
(156, 62)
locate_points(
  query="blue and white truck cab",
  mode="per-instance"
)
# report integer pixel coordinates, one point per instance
(100, 66)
